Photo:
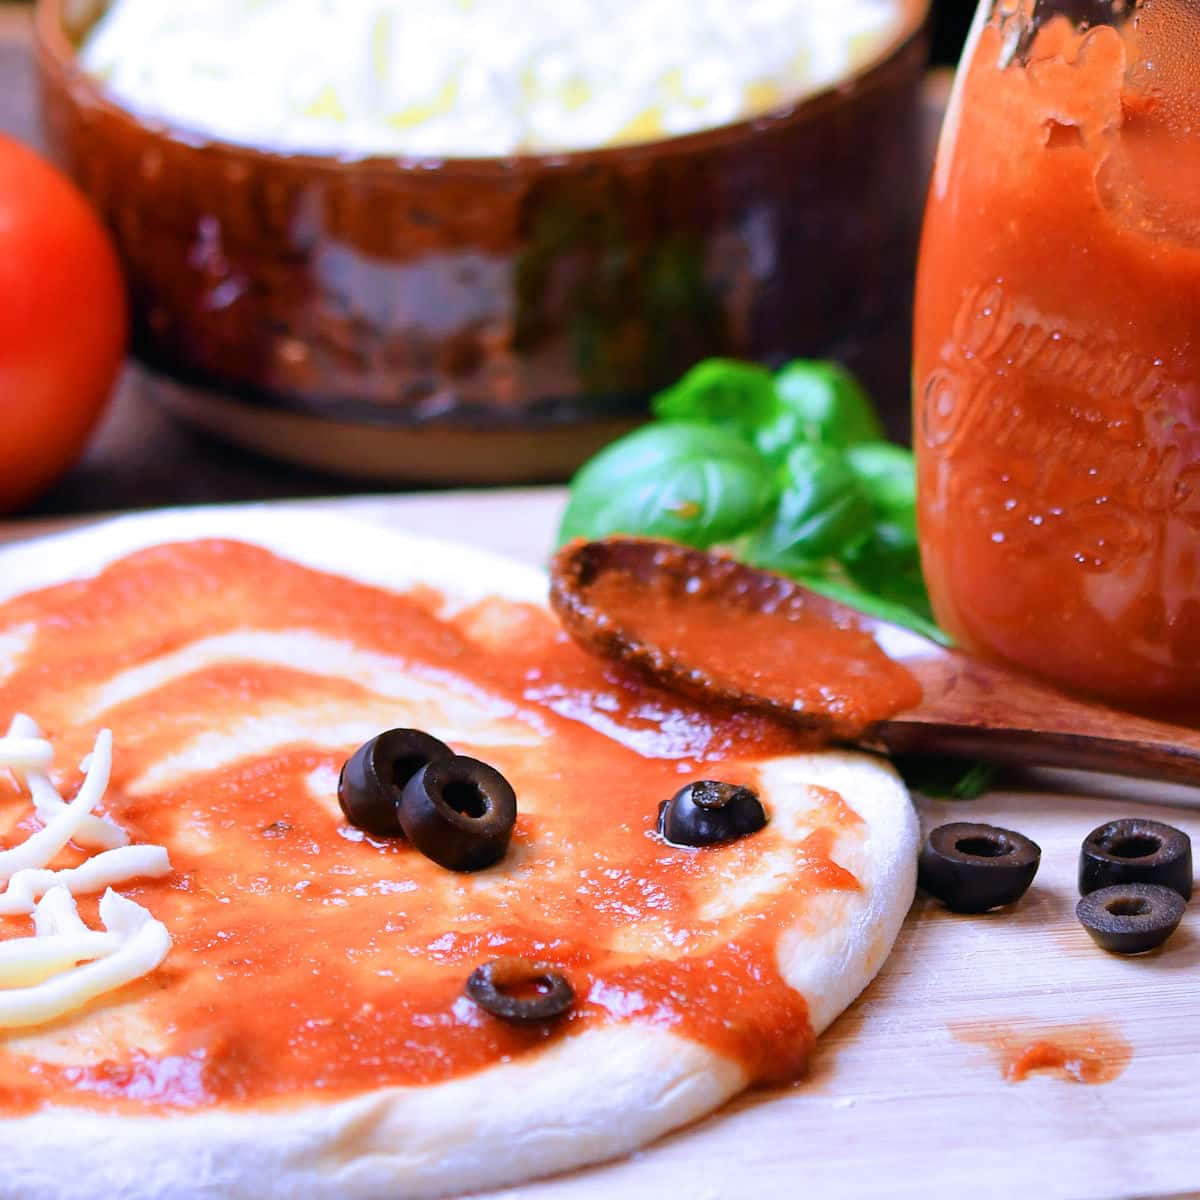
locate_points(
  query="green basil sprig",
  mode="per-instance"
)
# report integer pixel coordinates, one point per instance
(789, 471)
(945, 778)
(806, 402)
(693, 483)
(823, 508)
(822, 402)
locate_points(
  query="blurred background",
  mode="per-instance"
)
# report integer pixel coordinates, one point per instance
(951, 21)
(140, 456)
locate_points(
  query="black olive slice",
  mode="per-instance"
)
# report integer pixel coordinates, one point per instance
(516, 989)
(707, 812)
(459, 812)
(1136, 851)
(971, 868)
(1131, 918)
(373, 777)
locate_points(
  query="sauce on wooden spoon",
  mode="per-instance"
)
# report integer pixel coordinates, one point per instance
(718, 630)
(714, 628)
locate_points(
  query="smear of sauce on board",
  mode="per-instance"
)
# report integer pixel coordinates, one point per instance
(1092, 1054)
(309, 959)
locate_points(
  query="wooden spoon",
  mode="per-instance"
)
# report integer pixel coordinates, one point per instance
(614, 596)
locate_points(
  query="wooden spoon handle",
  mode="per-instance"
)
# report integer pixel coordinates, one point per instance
(1159, 761)
(975, 710)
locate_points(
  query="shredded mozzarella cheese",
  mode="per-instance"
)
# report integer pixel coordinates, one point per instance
(142, 943)
(39, 848)
(93, 833)
(41, 977)
(24, 961)
(56, 913)
(474, 77)
(22, 753)
(111, 867)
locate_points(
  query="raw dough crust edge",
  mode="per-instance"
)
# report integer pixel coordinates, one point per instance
(581, 1100)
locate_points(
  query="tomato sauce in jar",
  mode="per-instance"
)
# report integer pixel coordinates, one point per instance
(1057, 352)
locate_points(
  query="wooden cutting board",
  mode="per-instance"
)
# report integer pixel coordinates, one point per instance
(907, 1095)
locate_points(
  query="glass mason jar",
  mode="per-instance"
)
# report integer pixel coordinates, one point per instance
(1057, 349)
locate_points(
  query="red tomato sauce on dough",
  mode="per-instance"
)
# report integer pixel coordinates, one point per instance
(310, 960)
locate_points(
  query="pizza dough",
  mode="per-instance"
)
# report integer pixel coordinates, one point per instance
(576, 1099)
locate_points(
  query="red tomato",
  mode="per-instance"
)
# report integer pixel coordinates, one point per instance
(62, 323)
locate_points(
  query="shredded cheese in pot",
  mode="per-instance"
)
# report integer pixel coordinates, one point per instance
(452, 78)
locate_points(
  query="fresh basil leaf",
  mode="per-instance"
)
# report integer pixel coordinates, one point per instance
(685, 481)
(821, 510)
(736, 396)
(888, 548)
(945, 778)
(819, 402)
(895, 540)
(888, 474)
(887, 562)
